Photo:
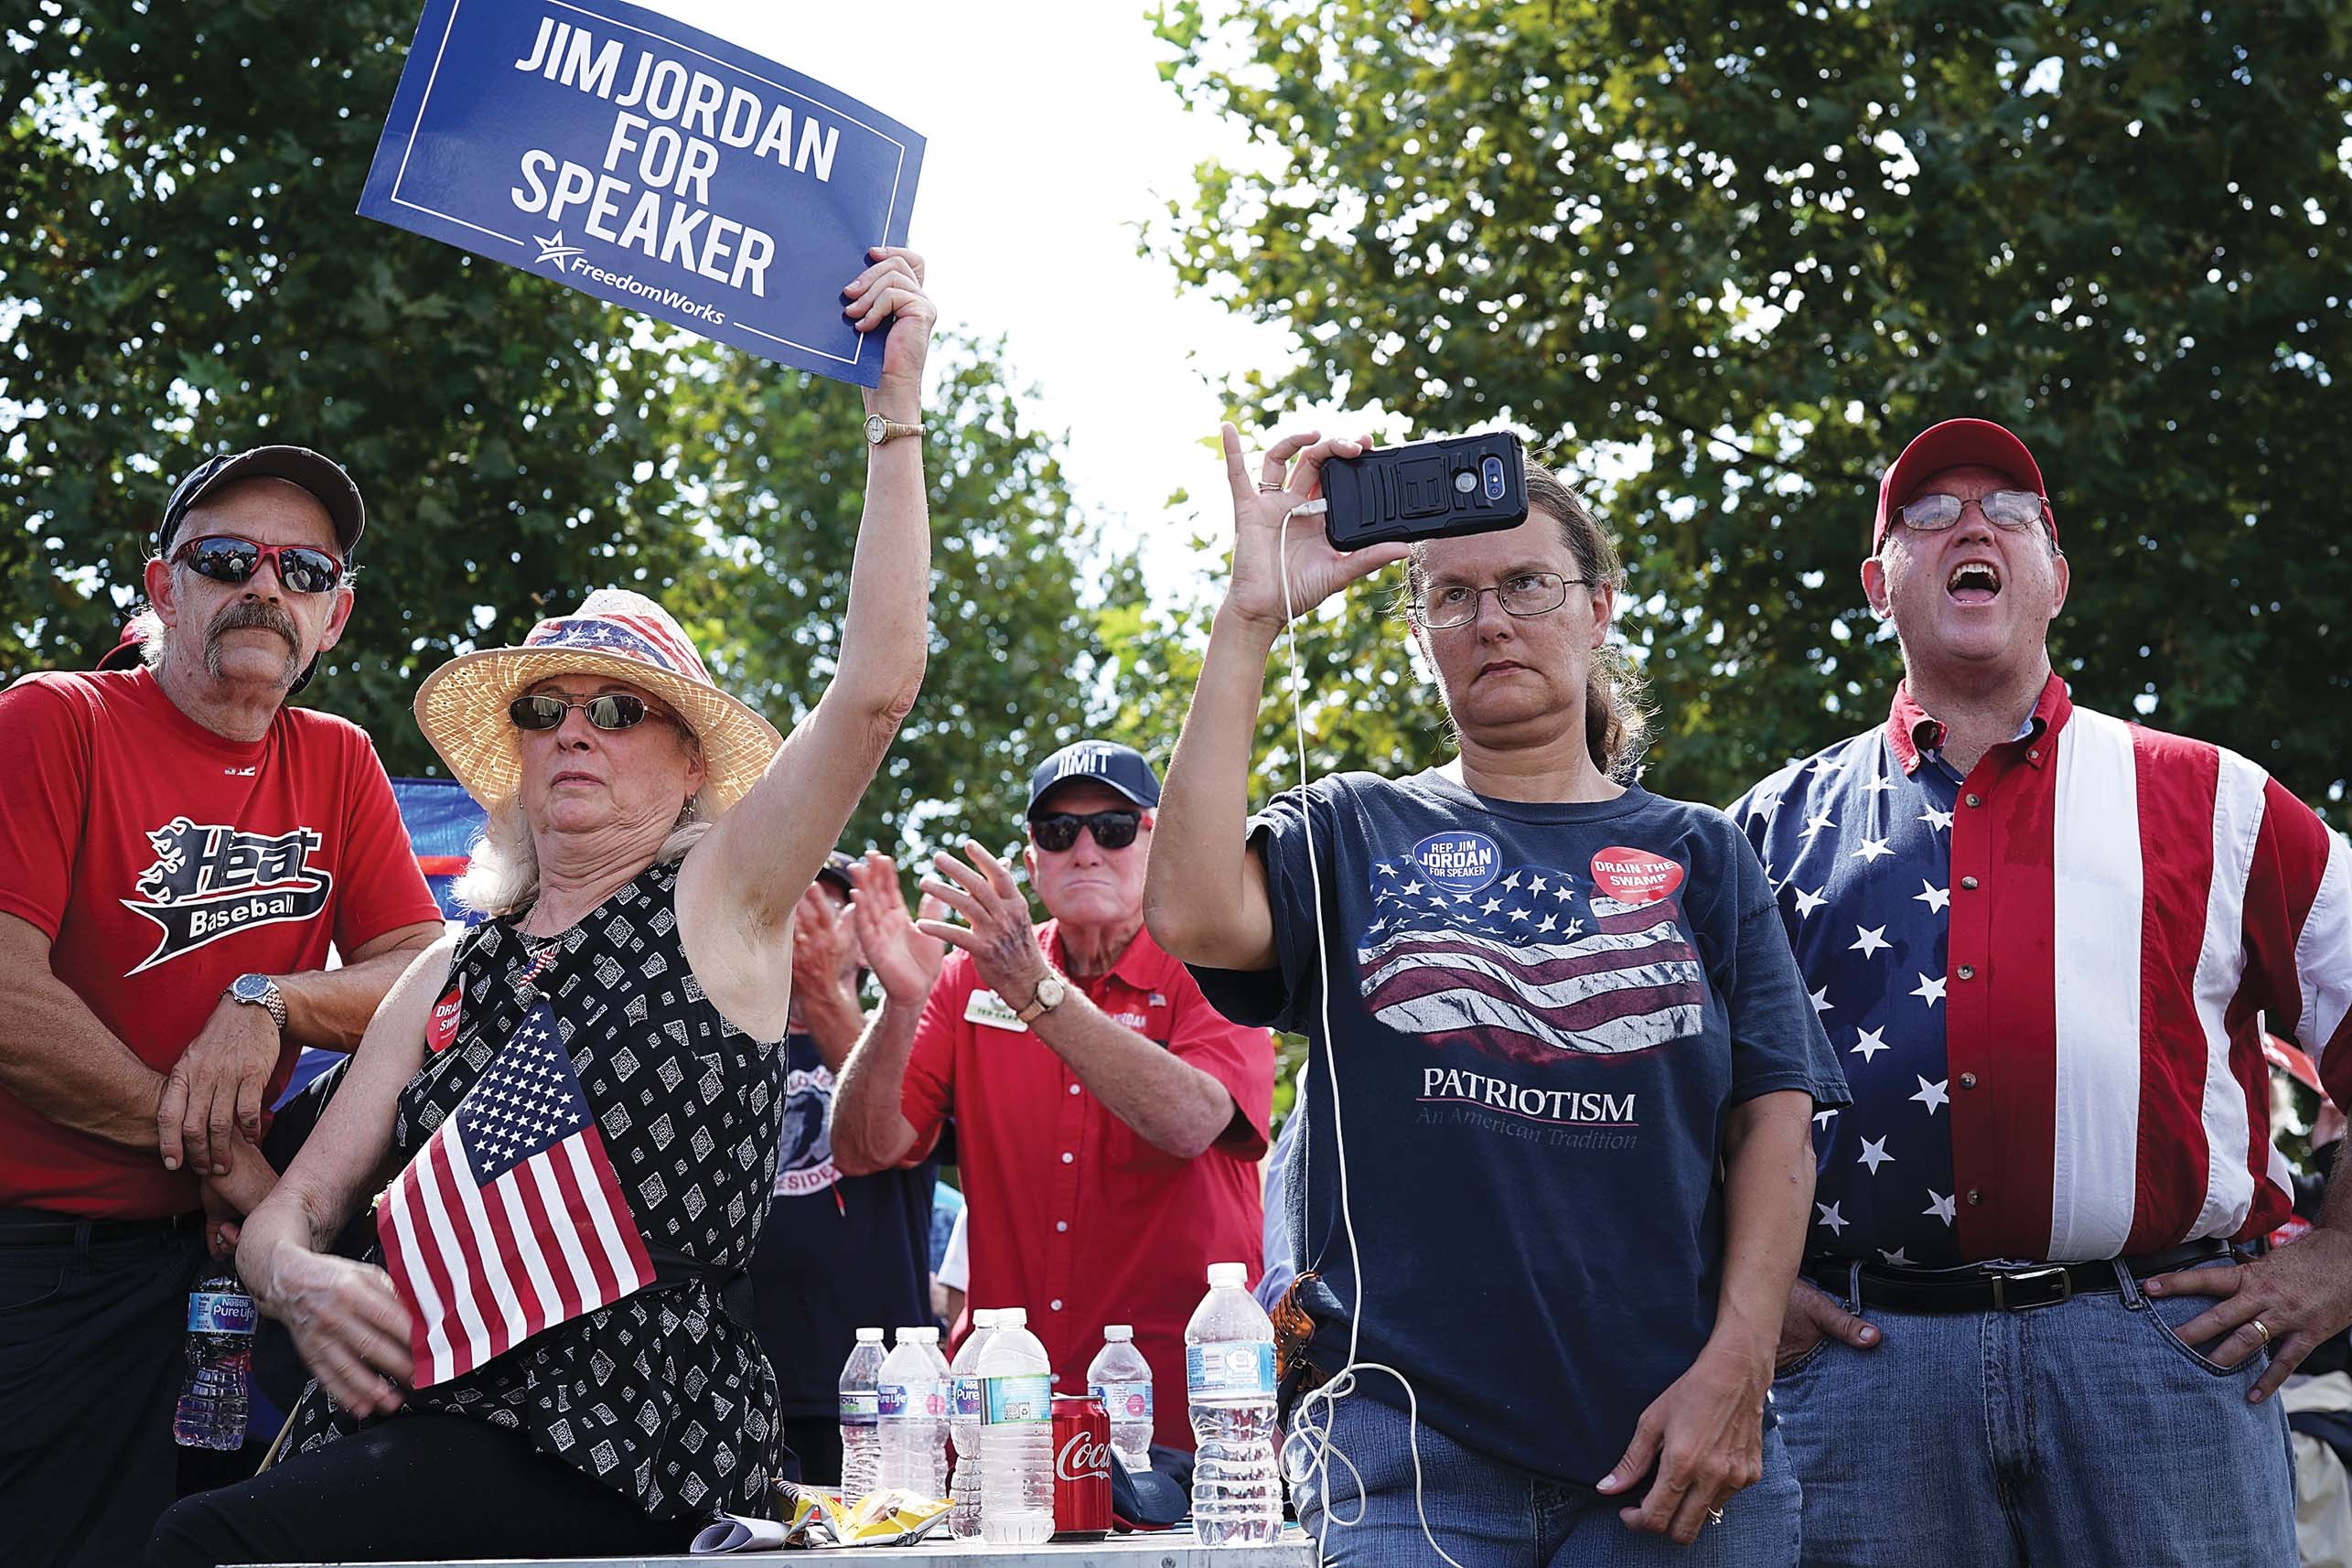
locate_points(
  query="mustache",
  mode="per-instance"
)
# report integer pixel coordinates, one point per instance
(240, 614)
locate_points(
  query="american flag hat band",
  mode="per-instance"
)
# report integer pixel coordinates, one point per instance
(461, 706)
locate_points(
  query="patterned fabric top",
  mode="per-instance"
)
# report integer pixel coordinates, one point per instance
(660, 1395)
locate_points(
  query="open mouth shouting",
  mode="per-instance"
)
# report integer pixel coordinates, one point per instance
(1974, 583)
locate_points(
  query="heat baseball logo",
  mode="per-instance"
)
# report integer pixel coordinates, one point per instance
(209, 881)
(1083, 1457)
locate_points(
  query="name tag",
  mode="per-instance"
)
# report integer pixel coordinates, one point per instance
(987, 1009)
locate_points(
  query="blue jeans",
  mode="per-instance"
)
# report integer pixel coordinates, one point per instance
(2082, 1433)
(1486, 1514)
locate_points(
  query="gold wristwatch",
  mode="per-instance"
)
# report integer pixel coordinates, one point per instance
(878, 430)
(1050, 993)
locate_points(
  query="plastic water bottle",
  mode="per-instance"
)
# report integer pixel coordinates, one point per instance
(214, 1399)
(1121, 1380)
(912, 1407)
(861, 1453)
(964, 1407)
(1229, 1364)
(1017, 1434)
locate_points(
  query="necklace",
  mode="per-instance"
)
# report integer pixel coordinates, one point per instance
(542, 952)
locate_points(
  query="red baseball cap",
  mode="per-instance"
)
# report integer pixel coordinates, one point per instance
(2297, 1064)
(1959, 444)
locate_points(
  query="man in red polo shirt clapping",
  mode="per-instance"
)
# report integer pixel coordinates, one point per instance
(1109, 1121)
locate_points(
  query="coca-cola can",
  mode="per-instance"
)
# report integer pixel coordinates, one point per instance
(1081, 1468)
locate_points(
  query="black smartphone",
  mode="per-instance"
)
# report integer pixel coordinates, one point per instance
(1428, 489)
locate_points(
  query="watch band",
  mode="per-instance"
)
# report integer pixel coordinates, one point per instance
(1038, 1006)
(271, 1001)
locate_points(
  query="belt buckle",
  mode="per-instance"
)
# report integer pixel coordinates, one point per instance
(2000, 1298)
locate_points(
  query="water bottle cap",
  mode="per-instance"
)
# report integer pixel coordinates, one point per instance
(1012, 1317)
(1222, 1275)
(868, 1337)
(983, 1317)
(926, 1336)
(1116, 1332)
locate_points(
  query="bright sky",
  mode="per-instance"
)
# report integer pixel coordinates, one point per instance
(1050, 139)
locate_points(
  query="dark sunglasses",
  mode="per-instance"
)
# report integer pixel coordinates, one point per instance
(225, 558)
(613, 710)
(1058, 830)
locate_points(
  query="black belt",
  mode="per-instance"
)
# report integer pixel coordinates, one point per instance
(48, 1227)
(732, 1286)
(1991, 1289)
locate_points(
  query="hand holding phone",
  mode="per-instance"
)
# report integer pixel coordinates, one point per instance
(1427, 489)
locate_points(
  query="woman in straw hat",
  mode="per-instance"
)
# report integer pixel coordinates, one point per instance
(576, 1104)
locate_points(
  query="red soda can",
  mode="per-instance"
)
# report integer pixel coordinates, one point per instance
(1081, 1468)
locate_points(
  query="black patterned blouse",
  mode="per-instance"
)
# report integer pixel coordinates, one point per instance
(660, 1395)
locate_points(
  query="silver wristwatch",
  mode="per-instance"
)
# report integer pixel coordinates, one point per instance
(260, 990)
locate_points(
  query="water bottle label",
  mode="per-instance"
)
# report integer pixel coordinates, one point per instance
(220, 1312)
(1008, 1399)
(1125, 1401)
(968, 1402)
(859, 1407)
(912, 1399)
(1230, 1367)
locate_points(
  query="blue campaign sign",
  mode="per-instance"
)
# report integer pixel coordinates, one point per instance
(649, 164)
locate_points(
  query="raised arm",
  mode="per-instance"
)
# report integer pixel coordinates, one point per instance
(752, 868)
(1204, 895)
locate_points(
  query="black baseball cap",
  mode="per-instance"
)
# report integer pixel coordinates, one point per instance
(1097, 762)
(835, 872)
(323, 476)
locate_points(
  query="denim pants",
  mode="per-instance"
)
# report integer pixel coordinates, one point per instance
(1487, 1514)
(2084, 1432)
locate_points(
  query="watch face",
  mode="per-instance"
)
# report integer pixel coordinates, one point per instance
(875, 428)
(251, 988)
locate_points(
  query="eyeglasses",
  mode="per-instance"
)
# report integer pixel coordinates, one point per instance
(2012, 510)
(1521, 594)
(225, 558)
(1113, 830)
(613, 710)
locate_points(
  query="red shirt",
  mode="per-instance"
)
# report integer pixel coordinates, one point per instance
(162, 862)
(1073, 1215)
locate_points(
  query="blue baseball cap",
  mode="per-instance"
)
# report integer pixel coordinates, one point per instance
(324, 478)
(1097, 762)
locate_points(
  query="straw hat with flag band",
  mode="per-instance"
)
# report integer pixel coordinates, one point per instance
(626, 637)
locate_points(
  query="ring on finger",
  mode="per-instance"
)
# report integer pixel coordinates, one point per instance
(1714, 1516)
(1267, 488)
(2262, 1329)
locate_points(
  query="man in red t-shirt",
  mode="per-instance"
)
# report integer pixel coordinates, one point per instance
(1109, 1121)
(179, 850)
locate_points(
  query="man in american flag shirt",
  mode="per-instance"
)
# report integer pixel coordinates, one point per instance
(2044, 943)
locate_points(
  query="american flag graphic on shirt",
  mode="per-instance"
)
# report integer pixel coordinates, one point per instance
(509, 1220)
(1527, 966)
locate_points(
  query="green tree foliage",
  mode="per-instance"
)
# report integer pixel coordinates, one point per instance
(1721, 261)
(181, 273)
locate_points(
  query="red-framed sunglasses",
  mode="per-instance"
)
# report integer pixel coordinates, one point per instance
(225, 558)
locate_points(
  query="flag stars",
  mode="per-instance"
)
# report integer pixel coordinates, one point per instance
(1930, 991)
(1538, 886)
(1868, 939)
(1879, 784)
(1511, 883)
(1868, 1043)
(1935, 818)
(1386, 869)
(1940, 1206)
(1932, 1095)
(1489, 906)
(1872, 849)
(1896, 1259)
(1808, 902)
(1874, 1154)
(1821, 823)
(1933, 896)
(1547, 924)
(1820, 1000)
(1830, 1217)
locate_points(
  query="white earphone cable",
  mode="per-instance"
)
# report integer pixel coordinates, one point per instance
(1314, 1445)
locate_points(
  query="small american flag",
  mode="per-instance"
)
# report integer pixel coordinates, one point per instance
(510, 1220)
(1528, 966)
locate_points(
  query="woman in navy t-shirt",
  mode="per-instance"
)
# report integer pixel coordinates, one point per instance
(1571, 1062)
